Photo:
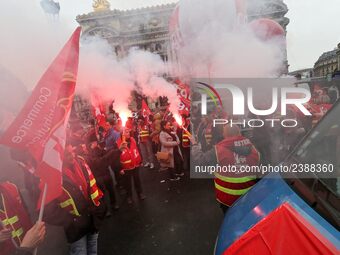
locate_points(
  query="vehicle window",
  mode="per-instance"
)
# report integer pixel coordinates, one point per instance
(322, 146)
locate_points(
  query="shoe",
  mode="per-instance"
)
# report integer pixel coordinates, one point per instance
(152, 166)
(115, 207)
(129, 200)
(181, 174)
(175, 179)
(146, 164)
(108, 214)
(161, 169)
(142, 196)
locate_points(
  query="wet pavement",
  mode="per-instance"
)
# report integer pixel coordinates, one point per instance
(176, 218)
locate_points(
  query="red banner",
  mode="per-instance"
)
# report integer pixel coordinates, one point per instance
(284, 231)
(183, 92)
(146, 112)
(40, 127)
(99, 111)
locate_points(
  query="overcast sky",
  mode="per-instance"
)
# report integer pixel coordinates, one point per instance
(314, 25)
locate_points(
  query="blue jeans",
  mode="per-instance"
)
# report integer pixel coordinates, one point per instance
(87, 245)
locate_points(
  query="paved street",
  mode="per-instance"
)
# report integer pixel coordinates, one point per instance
(176, 218)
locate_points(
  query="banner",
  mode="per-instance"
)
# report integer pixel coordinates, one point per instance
(146, 112)
(183, 92)
(40, 127)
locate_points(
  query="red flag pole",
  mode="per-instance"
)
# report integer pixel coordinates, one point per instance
(41, 213)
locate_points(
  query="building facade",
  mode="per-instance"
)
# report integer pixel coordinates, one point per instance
(338, 54)
(327, 63)
(148, 28)
(302, 73)
(145, 28)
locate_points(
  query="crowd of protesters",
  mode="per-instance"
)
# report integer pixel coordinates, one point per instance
(101, 159)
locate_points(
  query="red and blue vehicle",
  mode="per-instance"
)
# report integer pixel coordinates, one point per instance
(288, 214)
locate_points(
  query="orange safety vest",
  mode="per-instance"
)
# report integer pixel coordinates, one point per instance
(230, 186)
(144, 133)
(185, 139)
(130, 157)
(13, 216)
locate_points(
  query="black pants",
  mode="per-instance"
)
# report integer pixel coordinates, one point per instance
(186, 159)
(128, 176)
(178, 163)
(105, 183)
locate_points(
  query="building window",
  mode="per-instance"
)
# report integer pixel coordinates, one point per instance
(158, 47)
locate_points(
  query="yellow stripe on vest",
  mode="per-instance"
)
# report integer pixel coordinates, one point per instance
(235, 179)
(95, 195)
(68, 202)
(233, 192)
(92, 182)
(17, 233)
(10, 221)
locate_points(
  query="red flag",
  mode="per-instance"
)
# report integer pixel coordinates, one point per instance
(98, 109)
(146, 112)
(40, 127)
(183, 92)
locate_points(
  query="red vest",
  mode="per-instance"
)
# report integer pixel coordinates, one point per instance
(82, 181)
(130, 157)
(230, 186)
(144, 133)
(208, 134)
(13, 216)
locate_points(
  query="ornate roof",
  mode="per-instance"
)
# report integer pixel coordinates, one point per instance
(130, 12)
(328, 55)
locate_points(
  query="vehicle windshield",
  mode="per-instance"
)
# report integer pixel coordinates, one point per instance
(322, 146)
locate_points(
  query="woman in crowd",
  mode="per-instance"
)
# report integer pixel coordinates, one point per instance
(170, 145)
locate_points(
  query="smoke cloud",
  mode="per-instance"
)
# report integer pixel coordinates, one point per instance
(115, 78)
(218, 42)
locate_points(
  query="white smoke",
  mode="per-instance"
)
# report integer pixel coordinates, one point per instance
(115, 78)
(217, 44)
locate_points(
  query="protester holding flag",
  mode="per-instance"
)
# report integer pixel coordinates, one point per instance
(17, 235)
(40, 129)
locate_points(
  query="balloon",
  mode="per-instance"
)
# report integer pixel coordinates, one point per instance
(266, 29)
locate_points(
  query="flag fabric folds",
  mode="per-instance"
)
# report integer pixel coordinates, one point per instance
(146, 112)
(40, 127)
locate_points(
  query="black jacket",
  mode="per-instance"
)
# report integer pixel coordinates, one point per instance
(99, 160)
(76, 227)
